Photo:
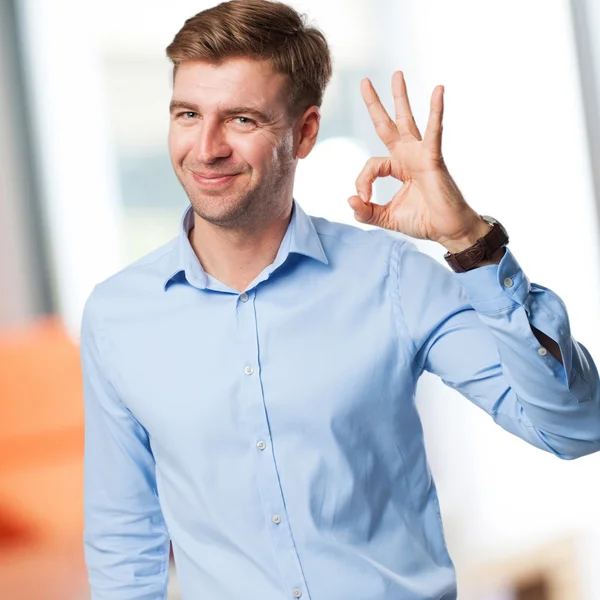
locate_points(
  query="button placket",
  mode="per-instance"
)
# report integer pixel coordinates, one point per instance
(254, 415)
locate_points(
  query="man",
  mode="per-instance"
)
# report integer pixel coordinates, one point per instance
(249, 386)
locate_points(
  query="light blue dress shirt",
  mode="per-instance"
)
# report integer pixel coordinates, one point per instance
(272, 435)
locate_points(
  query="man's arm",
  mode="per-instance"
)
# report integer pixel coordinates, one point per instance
(126, 540)
(479, 335)
(476, 331)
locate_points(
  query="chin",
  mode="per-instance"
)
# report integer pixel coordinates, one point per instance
(221, 209)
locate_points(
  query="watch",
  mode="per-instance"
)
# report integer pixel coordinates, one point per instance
(483, 249)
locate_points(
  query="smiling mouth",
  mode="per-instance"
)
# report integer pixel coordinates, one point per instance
(214, 180)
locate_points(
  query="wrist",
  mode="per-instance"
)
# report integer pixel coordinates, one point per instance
(477, 230)
(489, 237)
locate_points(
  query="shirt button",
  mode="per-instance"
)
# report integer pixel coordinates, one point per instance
(276, 519)
(508, 282)
(248, 370)
(297, 592)
(244, 297)
(542, 351)
(261, 445)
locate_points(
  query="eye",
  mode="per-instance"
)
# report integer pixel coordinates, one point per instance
(187, 115)
(243, 123)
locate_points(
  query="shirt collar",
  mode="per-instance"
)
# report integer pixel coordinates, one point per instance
(301, 232)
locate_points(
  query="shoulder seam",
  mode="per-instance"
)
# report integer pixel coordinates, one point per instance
(395, 259)
(331, 235)
(97, 331)
(102, 342)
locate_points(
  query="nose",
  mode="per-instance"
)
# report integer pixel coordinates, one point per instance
(211, 143)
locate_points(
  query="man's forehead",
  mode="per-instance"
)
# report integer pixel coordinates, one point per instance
(233, 72)
(234, 82)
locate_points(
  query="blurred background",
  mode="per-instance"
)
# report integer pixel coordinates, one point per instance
(86, 187)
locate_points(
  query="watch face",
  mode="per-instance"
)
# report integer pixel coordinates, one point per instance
(493, 221)
(490, 220)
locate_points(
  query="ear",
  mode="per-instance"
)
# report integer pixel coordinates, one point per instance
(308, 129)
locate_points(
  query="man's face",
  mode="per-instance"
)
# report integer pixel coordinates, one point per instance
(231, 140)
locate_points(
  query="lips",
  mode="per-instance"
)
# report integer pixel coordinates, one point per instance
(213, 178)
(213, 175)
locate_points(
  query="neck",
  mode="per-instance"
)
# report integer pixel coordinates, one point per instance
(236, 256)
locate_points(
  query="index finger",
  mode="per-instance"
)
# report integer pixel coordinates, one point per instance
(385, 127)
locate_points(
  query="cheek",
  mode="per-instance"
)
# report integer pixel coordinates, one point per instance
(180, 145)
(257, 150)
(275, 150)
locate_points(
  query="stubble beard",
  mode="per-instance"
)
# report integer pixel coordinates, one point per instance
(243, 208)
(229, 208)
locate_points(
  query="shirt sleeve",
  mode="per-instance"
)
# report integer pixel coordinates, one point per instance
(126, 541)
(474, 330)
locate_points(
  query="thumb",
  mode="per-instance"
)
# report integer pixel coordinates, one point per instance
(363, 211)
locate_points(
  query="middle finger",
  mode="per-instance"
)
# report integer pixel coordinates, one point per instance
(405, 121)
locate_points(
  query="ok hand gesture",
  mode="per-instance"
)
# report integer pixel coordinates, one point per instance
(429, 205)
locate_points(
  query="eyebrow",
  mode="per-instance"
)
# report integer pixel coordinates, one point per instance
(236, 110)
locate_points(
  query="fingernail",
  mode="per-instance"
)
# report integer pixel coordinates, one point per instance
(362, 197)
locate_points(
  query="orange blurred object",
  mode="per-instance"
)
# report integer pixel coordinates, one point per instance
(41, 463)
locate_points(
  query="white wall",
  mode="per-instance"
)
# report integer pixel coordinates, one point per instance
(74, 148)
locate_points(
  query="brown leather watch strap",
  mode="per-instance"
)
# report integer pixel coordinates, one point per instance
(483, 249)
